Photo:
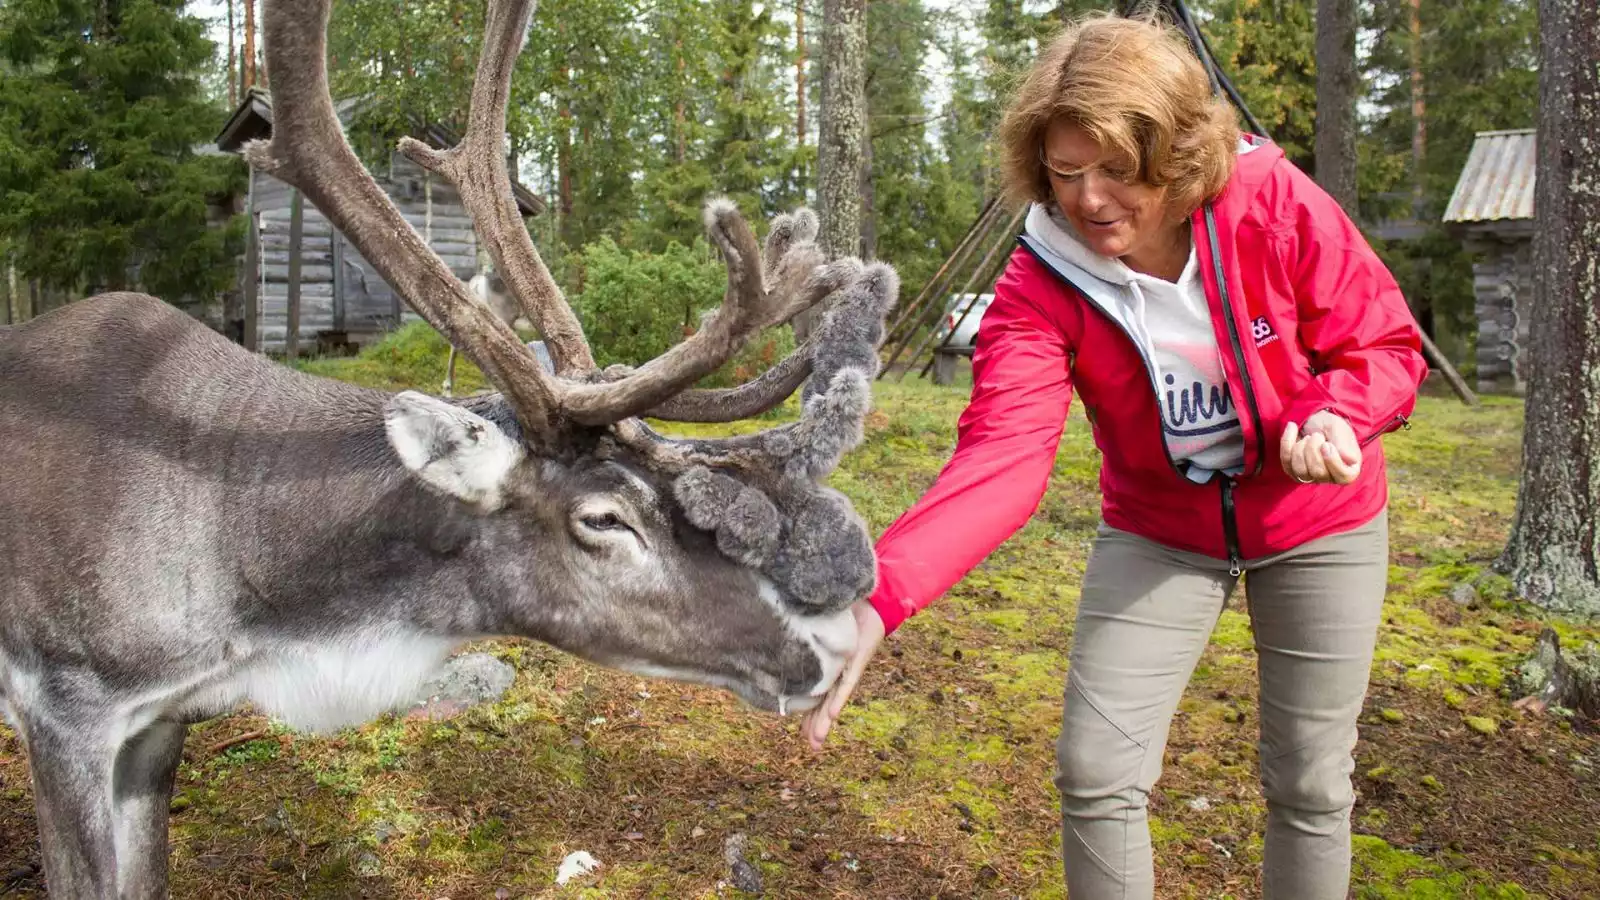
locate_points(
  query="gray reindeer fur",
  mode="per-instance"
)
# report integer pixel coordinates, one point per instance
(185, 526)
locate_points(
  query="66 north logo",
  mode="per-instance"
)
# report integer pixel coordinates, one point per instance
(1261, 330)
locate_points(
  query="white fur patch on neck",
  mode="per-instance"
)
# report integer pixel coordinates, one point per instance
(451, 449)
(322, 686)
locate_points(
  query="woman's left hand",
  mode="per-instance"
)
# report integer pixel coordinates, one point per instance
(1324, 451)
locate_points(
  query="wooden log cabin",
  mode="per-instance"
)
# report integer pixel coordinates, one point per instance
(1491, 211)
(293, 252)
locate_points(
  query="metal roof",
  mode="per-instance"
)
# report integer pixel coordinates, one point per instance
(1496, 184)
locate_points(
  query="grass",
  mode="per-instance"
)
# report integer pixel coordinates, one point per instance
(938, 781)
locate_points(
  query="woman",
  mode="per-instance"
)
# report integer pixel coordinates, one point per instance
(1239, 349)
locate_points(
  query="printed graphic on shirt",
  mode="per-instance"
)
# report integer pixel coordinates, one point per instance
(1197, 415)
(1261, 330)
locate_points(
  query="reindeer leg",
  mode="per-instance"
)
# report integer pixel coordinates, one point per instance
(71, 769)
(142, 783)
(450, 372)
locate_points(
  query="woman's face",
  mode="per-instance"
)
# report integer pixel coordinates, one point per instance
(1116, 216)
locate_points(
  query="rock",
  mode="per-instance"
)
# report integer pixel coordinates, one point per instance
(464, 682)
(1548, 678)
(741, 874)
(1200, 804)
(1465, 594)
(382, 832)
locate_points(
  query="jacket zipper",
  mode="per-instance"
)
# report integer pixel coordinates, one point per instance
(1394, 424)
(1233, 338)
(1230, 528)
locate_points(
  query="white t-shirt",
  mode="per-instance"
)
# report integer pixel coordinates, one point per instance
(1170, 323)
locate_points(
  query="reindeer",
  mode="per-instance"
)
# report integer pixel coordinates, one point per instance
(185, 526)
(489, 289)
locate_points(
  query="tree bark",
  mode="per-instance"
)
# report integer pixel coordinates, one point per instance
(291, 339)
(800, 61)
(843, 135)
(1419, 127)
(1553, 556)
(233, 57)
(247, 59)
(1337, 86)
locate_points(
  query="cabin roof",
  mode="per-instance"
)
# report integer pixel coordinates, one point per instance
(252, 120)
(1496, 184)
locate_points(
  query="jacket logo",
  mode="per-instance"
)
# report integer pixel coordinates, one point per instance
(1261, 330)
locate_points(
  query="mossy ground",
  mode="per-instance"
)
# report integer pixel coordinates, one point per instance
(938, 781)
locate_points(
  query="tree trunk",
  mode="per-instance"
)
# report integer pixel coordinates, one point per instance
(800, 73)
(247, 60)
(1337, 85)
(1419, 127)
(1553, 556)
(233, 60)
(680, 118)
(291, 339)
(869, 202)
(843, 136)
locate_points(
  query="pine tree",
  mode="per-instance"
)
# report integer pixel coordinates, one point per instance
(101, 187)
(1267, 47)
(1554, 551)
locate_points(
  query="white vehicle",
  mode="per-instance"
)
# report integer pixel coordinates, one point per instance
(966, 334)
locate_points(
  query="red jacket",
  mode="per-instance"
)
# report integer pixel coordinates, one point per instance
(1307, 319)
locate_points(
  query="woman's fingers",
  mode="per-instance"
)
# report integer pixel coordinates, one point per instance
(1291, 436)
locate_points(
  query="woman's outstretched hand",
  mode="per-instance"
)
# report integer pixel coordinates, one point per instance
(869, 634)
(1325, 451)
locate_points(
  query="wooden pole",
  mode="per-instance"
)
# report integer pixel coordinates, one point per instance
(13, 302)
(1451, 376)
(932, 308)
(987, 272)
(291, 340)
(337, 241)
(936, 283)
(995, 256)
(252, 271)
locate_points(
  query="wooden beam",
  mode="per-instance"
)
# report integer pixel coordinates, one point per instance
(1451, 376)
(338, 282)
(296, 233)
(251, 274)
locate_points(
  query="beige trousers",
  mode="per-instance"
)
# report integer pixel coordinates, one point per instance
(1146, 614)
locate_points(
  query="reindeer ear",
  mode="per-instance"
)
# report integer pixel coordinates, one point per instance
(452, 450)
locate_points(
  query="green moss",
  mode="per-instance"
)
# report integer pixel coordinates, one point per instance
(1233, 631)
(1381, 872)
(1392, 715)
(1165, 833)
(1482, 724)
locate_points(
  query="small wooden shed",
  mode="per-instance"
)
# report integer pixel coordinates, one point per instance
(343, 301)
(1492, 212)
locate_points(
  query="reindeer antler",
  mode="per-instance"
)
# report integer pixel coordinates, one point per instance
(477, 168)
(308, 150)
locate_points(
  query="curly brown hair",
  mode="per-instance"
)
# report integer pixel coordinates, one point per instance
(1136, 87)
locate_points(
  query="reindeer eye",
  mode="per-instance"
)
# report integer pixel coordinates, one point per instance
(604, 522)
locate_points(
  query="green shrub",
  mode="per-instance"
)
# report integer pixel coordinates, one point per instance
(636, 305)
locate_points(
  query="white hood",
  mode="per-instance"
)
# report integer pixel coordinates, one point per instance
(1170, 325)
